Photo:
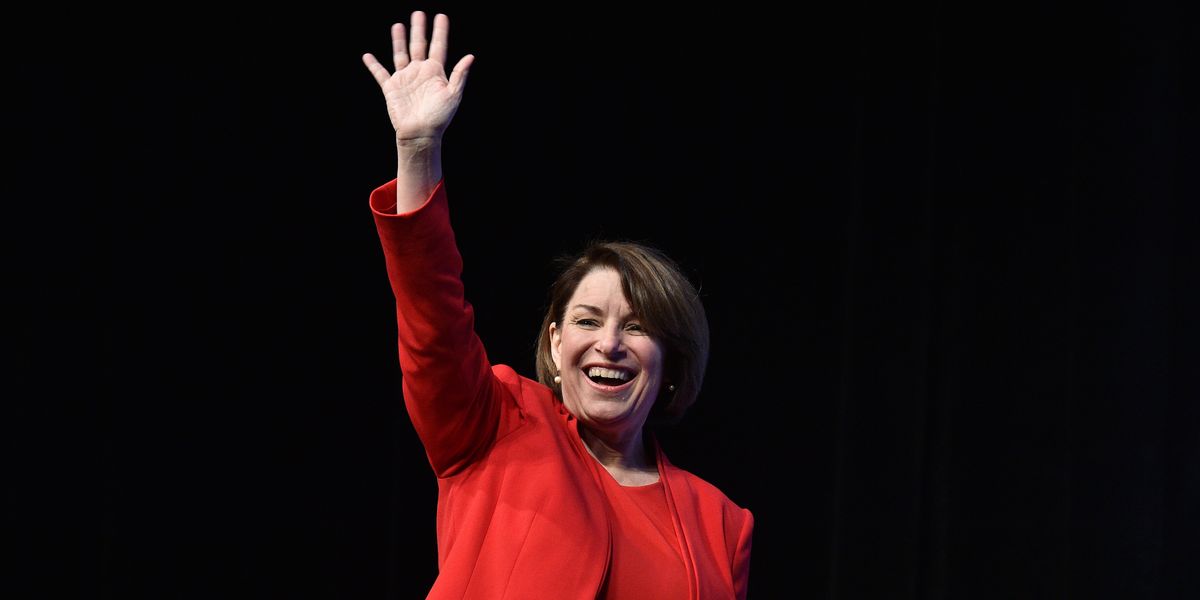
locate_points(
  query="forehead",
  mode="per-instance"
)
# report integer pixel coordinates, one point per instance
(600, 288)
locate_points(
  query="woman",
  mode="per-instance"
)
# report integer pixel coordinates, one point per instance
(549, 488)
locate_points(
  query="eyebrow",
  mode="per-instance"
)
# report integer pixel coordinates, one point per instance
(596, 310)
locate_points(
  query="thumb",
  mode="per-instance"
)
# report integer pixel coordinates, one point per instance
(458, 77)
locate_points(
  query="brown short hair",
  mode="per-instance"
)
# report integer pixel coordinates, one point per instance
(662, 297)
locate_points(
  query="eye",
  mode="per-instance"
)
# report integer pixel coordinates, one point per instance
(586, 322)
(635, 328)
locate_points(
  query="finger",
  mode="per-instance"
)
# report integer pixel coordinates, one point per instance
(377, 70)
(440, 38)
(417, 44)
(458, 78)
(399, 47)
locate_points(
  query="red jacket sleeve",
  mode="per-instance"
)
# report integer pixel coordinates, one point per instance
(457, 407)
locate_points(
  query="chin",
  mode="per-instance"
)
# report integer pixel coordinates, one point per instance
(606, 415)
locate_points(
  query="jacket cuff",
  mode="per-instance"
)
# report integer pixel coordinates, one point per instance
(383, 200)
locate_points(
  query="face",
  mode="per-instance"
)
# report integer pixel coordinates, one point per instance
(611, 368)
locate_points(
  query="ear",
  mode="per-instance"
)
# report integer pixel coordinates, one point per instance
(556, 345)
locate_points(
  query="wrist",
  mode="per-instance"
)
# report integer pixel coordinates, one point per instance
(418, 144)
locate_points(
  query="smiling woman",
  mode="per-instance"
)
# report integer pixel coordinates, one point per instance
(611, 374)
(551, 488)
(665, 310)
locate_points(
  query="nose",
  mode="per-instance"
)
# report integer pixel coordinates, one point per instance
(610, 341)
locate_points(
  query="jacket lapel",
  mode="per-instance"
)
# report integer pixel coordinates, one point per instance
(678, 493)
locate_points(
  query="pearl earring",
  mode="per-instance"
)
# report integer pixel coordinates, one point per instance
(671, 387)
(557, 379)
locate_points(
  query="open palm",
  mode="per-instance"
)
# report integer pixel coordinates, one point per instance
(421, 99)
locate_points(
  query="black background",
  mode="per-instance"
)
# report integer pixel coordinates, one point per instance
(947, 255)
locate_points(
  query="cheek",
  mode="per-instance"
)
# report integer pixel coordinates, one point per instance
(569, 349)
(653, 357)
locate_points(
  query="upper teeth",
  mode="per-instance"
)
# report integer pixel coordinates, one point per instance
(608, 373)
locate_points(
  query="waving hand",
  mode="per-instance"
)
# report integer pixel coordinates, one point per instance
(421, 100)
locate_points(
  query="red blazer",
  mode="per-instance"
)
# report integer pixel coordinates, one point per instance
(521, 513)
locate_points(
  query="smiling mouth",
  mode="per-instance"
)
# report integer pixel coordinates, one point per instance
(608, 377)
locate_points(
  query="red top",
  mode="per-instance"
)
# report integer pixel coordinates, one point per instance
(646, 560)
(521, 511)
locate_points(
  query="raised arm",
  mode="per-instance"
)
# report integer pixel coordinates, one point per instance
(421, 101)
(457, 406)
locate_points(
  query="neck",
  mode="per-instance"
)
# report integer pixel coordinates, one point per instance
(620, 453)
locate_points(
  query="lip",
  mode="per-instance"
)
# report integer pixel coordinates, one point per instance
(607, 388)
(615, 367)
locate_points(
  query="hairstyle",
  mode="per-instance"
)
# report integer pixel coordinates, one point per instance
(662, 297)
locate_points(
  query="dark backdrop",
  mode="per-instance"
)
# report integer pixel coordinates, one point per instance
(948, 256)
